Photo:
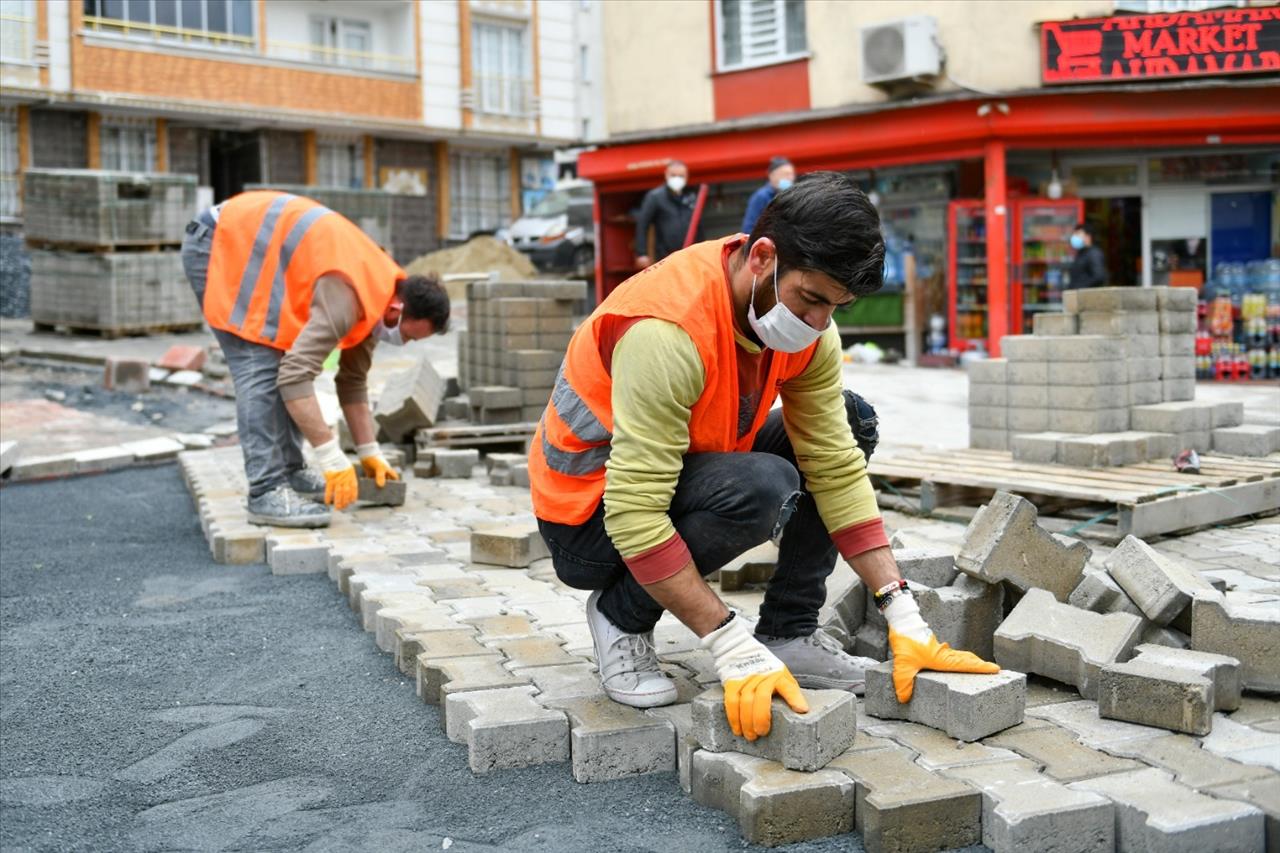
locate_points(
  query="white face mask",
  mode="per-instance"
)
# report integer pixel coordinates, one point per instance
(779, 329)
(388, 334)
(675, 183)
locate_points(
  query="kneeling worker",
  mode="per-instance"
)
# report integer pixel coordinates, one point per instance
(283, 281)
(659, 460)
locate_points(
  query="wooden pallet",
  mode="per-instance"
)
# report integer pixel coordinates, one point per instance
(1145, 500)
(473, 435)
(105, 247)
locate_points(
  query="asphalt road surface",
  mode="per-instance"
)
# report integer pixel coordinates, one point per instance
(153, 700)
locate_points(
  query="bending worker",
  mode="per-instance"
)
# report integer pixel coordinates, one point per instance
(659, 460)
(284, 281)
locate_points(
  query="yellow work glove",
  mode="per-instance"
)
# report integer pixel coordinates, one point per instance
(375, 464)
(751, 674)
(340, 486)
(915, 648)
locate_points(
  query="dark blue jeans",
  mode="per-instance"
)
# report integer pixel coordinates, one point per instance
(724, 505)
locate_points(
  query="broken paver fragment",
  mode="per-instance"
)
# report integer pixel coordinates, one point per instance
(1004, 543)
(1244, 626)
(1153, 695)
(1161, 586)
(505, 728)
(797, 741)
(1063, 642)
(965, 706)
(513, 545)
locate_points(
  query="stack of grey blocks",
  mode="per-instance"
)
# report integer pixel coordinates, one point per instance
(1110, 381)
(370, 210)
(516, 338)
(104, 249)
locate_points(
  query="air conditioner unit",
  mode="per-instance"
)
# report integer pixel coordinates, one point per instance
(901, 50)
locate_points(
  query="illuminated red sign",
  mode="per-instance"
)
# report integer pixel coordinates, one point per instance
(1143, 47)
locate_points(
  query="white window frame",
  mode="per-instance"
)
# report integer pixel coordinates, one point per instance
(10, 171)
(180, 33)
(335, 51)
(115, 133)
(470, 207)
(498, 91)
(781, 56)
(18, 32)
(337, 157)
(1158, 7)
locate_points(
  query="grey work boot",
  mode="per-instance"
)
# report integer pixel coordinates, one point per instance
(819, 663)
(308, 482)
(283, 507)
(628, 664)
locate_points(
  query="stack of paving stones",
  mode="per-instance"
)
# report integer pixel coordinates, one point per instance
(455, 587)
(1110, 381)
(515, 340)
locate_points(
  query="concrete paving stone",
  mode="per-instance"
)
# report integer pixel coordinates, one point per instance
(1143, 369)
(298, 558)
(1059, 754)
(1153, 812)
(931, 567)
(1177, 322)
(1246, 440)
(1049, 323)
(102, 459)
(988, 439)
(798, 741)
(1028, 373)
(1142, 346)
(1004, 543)
(410, 400)
(1174, 417)
(1020, 348)
(991, 371)
(1155, 695)
(1244, 626)
(900, 806)
(1038, 447)
(680, 717)
(699, 664)
(1171, 638)
(1256, 709)
(1024, 810)
(1188, 762)
(1084, 421)
(1031, 419)
(444, 590)
(152, 449)
(433, 645)
(1085, 373)
(515, 546)
(1112, 299)
(1222, 670)
(130, 375)
(845, 604)
(1081, 718)
(1046, 691)
(564, 611)
(1161, 586)
(564, 681)
(1104, 395)
(395, 617)
(360, 584)
(1180, 366)
(493, 628)
(524, 652)
(966, 706)
(477, 607)
(1063, 642)
(1146, 393)
(1262, 793)
(988, 395)
(1245, 744)
(871, 641)
(438, 678)
(1227, 413)
(456, 463)
(576, 639)
(237, 545)
(964, 614)
(609, 740)
(1098, 592)
(391, 493)
(505, 728)
(934, 749)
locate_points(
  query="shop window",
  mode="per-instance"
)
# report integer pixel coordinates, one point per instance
(759, 32)
(339, 164)
(1105, 175)
(10, 204)
(501, 72)
(217, 23)
(1236, 168)
(128, 145)
(479, 192)
(341, 41)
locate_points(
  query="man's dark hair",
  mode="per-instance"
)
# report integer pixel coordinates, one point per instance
(1087, 227)
(776, 163)
(824, 223)
(425, 299)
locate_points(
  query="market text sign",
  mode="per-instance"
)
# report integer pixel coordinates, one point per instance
(1141, 47)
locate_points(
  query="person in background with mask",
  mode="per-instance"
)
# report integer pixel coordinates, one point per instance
(1089, 266)
(781, 174)
(669, 209)
(660, 459)
(283, 281)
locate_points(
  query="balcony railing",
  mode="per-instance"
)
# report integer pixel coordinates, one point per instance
(502, 96)
(341, 58)
(17, 39)
(163, 33)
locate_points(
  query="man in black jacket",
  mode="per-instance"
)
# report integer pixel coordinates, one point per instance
(1089, 266)
(669, 209)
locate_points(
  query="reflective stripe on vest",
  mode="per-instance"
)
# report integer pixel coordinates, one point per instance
(584, 425)
(249, 278)
(299, 230)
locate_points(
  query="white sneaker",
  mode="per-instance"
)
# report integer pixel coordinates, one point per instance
(628, 664)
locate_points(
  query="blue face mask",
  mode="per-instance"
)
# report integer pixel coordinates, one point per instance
(1077, 242)
(784, 184)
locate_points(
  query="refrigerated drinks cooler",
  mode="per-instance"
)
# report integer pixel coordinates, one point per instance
(1040, 254)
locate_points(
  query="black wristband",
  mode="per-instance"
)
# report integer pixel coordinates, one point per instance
(727, 620)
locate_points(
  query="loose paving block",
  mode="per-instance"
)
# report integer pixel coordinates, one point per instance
(1175, 417)
(131, 375)
(773, 805)
(1113, 299)
(298, 558)
(988, 439)
(988, 395)
(1153, 812)
(1095, 348)
(966, 706)
(1222, 670)
(612, 741)
(1086, 421)
(237, 546)
(409, 401)
(1024, 810)
(1027, 397)
(797, 741)
(1146, 393)
(1246, 440)
(1038, 447)
(1096, 451)
(1054, 324)
(931, 567)
(456, 464)
(1227, 414)
(512, 545)
(505, 728)
(680, 716)
(992, 371)
(180, 357)
(1119, 323)
(845, 605)
(1034, 419)
(1063, 642)
(871, 641)
(1172, 638)
(901, 807)
(1003, 543)
(1018, 348)
(1154, 695)
(439, 678)
(964, 615)
(391, 493)
(1099, 592)
(988, 417)
(1161, 586)
(1056, 750)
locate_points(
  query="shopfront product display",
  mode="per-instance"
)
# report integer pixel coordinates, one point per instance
(1238, 336)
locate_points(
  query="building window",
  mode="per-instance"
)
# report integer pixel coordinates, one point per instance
(759, 32)
(218, 23)
(128, 145)
(17, 31)
(479, 192)
(10, 204)
(341, 41)
(339, 164)
(500, 67)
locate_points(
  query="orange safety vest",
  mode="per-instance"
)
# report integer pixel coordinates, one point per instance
(268, 250)
(571, 445)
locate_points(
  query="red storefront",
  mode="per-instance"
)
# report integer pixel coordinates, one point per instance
(1117, 103)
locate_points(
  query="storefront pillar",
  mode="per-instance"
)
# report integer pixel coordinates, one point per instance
(997, 220)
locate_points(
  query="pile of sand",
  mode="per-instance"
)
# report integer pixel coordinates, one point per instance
(478, 255)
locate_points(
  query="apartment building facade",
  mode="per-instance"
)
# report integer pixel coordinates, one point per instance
(983, 129)
(454, 105)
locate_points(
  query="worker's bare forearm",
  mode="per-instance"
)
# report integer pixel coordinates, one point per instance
(359, 421)
(306, 413)
(690, 600)
(876, 567)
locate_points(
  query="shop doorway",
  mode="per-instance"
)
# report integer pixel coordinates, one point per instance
(235, 159)
(1117, 225)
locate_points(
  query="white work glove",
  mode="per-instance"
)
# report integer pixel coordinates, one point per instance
(375, 465)
(751, 674)
(340, 486)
